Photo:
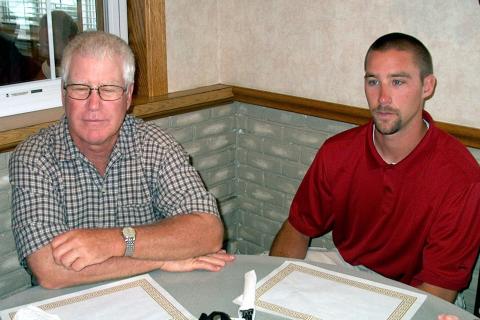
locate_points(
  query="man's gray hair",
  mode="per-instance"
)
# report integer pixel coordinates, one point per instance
(100, 45)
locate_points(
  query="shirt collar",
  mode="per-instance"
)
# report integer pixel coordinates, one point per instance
(125, 145)
(422, 147)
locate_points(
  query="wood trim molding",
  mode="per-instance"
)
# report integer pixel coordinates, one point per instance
(182, 101)
(147, 38)
(469, 136)
(333, 111)
(204, 97)
(317, 108)
(10, 138)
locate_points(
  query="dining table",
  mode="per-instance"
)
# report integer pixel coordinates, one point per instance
(204, 292)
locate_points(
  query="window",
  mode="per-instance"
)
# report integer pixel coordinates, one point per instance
(33, 34)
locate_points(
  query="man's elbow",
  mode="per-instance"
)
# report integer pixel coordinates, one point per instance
(214, 232)
(46, 274)
(50, 281)
(47, 284)
(217, 237)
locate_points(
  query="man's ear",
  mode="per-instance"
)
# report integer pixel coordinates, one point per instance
(429, 84)
(62, 90)
(129, 95)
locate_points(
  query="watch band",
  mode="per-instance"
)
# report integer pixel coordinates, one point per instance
(129, 237)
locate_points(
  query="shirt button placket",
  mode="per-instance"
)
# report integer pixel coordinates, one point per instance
(388, 189)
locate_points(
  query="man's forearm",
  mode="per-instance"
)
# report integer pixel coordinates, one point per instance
(446, 294)
(289, 243)
(51, 275)
(175, 238)
(179, 237)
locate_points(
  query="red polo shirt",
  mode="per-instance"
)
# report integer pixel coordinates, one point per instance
(415, 221)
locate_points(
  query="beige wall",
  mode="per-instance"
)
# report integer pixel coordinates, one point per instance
(192, 43)
(315, 49)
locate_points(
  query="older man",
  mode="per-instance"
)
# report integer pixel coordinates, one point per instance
(101, 194)
(401, 197)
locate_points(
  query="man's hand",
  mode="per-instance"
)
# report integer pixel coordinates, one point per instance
(211, 262)
(79, 248)
(447, 317)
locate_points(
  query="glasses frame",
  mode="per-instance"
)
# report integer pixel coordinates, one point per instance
(98, 89)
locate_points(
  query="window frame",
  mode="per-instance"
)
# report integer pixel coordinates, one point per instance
(147, 38)
(35, 96)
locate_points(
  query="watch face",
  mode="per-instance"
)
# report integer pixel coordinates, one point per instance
(128, 232)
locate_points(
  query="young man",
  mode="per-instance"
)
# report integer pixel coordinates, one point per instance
(401, 197)
(101, 194)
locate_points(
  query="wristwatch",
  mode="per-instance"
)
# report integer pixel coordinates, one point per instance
(129, 237)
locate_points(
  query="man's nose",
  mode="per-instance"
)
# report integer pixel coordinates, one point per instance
(93, 101)
(384, 97)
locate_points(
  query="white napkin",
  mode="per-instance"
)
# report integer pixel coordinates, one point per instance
(34, 313)
(247, 300)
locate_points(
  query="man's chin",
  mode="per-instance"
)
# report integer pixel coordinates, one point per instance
(386, 129)
(388, 132)
(97, 141)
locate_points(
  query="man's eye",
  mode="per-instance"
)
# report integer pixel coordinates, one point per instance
(111, 89)
(372, 82)
(397, 82)
(80, 89)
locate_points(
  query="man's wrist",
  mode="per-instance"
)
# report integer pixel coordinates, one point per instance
(129, 237)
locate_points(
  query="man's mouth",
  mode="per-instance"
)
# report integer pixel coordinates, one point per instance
(384, 112)
(94, 121)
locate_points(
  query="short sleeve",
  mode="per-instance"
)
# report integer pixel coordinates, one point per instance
(453, 242)
(180, 188)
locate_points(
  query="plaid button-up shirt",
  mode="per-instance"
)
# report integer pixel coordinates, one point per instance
(55, 188)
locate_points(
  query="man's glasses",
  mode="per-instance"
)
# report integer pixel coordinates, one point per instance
(107, 92)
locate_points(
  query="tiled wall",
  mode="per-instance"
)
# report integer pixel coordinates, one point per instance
(252, 159)
(210, 137)
(274, 152)
(12, 277)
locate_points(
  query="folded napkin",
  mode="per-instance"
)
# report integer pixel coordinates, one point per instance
(247, 300)
(34, 313)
